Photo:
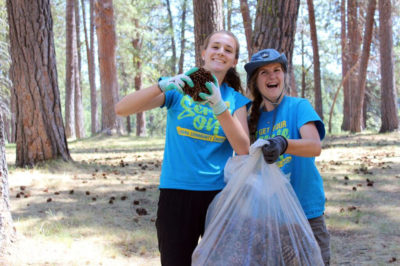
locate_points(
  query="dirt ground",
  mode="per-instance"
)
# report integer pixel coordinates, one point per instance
(101, 208)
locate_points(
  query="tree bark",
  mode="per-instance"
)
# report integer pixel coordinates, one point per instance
(78, 37)
(303, 67)
(183, 40)
(91, 65)
(357, 123)
(229, 15)
(173, 45)
(389, 109)
(40, 130)
(354, 54)
(317, 70)
(137, 45)
(124, 88)
(7, 230)
(106, 38)
(275, 27)
(92, 71)
(79, 128)
(344, 80)
(13, 110)
(207, 19)
(7, 134)
(345, 67)
(70, 51)
(244, 9)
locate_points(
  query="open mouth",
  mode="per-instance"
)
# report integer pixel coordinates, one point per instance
(272, 86)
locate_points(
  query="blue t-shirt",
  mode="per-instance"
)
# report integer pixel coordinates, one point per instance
(291, 114)
(196, 148)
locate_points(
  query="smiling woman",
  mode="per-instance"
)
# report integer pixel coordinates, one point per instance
(294, 132)
(200, 137)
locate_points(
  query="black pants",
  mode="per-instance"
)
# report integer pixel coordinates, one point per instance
(180, 222)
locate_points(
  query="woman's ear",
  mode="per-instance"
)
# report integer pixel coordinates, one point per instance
(203, 52)
(235, 63)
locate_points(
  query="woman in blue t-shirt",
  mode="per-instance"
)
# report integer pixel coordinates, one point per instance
(294, 131)
(200, 137)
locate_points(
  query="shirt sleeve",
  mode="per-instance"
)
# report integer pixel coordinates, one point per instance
(305, 114)
(241, 101)
(171, 98)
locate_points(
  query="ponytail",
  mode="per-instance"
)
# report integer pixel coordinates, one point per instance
(232, 78)
(253, 118)
(255, 110)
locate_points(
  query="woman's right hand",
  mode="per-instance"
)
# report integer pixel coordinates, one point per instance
(177, 82)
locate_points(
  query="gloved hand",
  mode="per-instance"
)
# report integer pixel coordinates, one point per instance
(276, 147)
(177, 82)
(214, 99)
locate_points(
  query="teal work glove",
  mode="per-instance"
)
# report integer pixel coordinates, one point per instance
(214, 99)
(177, 82)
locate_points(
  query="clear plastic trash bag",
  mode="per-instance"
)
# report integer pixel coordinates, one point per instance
(256, 219)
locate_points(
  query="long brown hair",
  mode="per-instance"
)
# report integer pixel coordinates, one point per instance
(255, 110)
(232, 77)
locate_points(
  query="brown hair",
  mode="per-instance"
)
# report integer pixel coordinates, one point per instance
(255, 107)
(232, 77)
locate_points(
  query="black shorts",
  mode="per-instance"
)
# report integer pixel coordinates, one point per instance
(180, 222)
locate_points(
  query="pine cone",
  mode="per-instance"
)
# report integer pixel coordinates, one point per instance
(199, 78)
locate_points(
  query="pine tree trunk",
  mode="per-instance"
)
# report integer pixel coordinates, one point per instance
(244, 9)
(228, 15)
(303, 68)
(91, 65)
(40, 130)
(357, 123)
(345, 67)
(78, 37)
(137, 62)
(366, 105)
(92, 74)
(354, 55)
(13, 110)
(207, 19)
(389, 109)
(7, 230)
(275, 27)
(79, 128)
(70, 51)
(173, 45)
(292, 90)
(317, 70)
(140, 117)
(183, 40)
(128, 124)
(106, 38)
(7, 133)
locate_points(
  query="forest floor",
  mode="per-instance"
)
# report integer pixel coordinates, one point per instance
(101, 208)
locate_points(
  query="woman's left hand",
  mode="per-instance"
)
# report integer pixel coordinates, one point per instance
(214, 99)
